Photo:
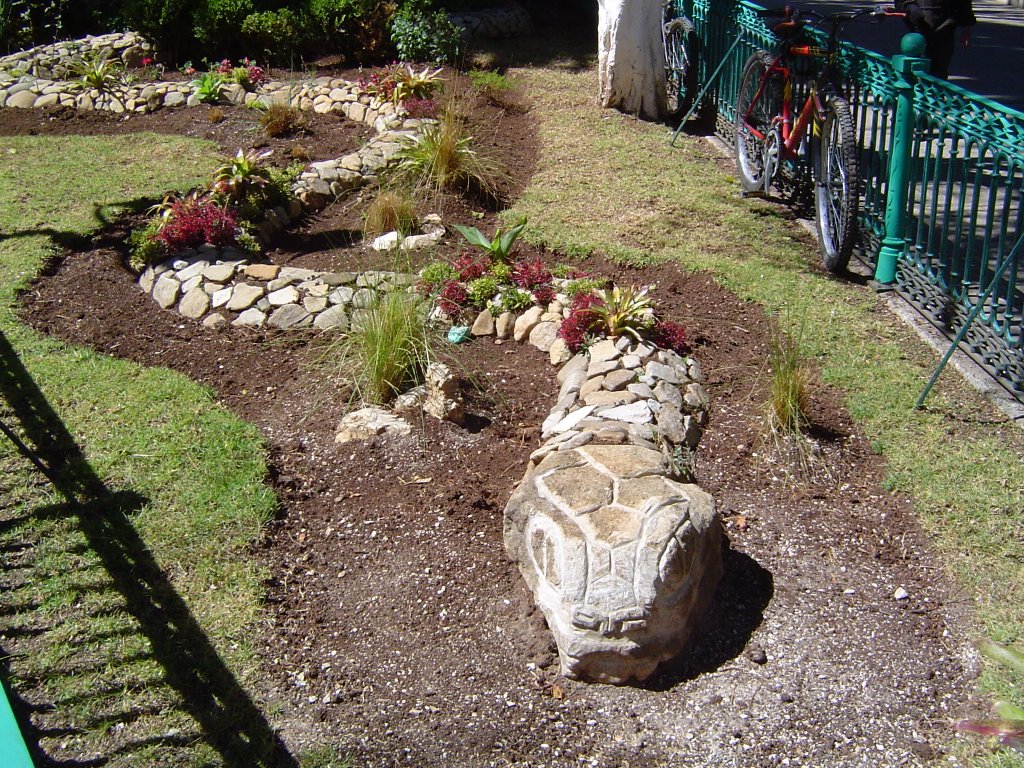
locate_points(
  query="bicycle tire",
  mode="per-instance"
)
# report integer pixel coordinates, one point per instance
(679, 40)
(758, 115)
(836, 185)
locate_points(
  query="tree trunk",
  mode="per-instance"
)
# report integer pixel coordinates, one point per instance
(631, 66)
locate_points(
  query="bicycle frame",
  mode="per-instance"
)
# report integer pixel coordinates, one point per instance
(791, 133)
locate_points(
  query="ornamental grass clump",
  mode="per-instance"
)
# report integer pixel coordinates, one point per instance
(787, 452)
(388, 349)
(390, 211)
(445, 157)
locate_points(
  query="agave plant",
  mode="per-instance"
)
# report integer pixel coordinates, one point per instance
(1008, 724)
(500, 245)
(624, 311)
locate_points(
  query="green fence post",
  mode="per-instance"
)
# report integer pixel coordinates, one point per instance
(894, 243)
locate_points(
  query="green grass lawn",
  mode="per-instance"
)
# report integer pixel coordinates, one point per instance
(186, 490)
(608, 183)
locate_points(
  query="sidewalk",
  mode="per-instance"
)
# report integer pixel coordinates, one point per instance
(991, 65)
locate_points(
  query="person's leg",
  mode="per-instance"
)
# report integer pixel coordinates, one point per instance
(939, 47)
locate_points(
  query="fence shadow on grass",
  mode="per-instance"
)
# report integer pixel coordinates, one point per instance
(230, 721)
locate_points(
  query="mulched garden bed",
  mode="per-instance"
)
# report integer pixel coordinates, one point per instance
(395, 626)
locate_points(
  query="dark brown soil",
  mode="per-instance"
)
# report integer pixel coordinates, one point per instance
(396, 628)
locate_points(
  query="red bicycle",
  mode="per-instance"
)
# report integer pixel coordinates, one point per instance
(770, 132)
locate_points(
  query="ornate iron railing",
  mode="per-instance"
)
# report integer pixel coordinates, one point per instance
(960, 157)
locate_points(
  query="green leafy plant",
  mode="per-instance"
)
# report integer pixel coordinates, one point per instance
(276, 34)
(1007, 727)
(515, 300)
(499, 246)
(488, 80)
(209, 87)
(482, 290)
(98, 71)
(624, 311)
(419, 35)
(443, 156)
(390, 211)
(583, 285)
(144, 247)
(502, 271)
(435, 275)
(388, 349)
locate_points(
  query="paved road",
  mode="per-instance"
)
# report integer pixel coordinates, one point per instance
(993, 65)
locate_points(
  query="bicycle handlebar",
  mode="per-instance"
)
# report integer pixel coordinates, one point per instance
(794, 19)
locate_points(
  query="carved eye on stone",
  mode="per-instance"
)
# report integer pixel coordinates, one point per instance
(546, 556)
(677, 559)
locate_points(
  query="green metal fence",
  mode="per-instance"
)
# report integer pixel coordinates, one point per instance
(959, 158)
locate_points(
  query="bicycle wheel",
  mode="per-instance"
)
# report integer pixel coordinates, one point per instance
(758, 103)
(679, 39)
(837, 185)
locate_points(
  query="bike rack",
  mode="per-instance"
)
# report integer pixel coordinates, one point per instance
(703, 91)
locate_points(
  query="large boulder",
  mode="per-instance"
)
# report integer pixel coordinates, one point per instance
(621, 559)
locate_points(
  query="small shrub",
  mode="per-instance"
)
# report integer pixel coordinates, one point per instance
(421, 36)
(421, 108)
(300, 153)
(274, 33)
(390, 211)
(582, 325)
(515, 300)
(484, 80)
(192, 223)
(583, 285)
(98, 71)
(530, 274)
(453, 299)
(410, 84)
(502, 271)
(435, 275)
(669, 335)
(280, 120)
(144, 247)
(443, 157)
(624, 311)
(786, 409)
(470, 266)
(236, 180)
(482, 290)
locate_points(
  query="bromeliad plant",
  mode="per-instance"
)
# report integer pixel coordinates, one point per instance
(615, 312)
(237, 179)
